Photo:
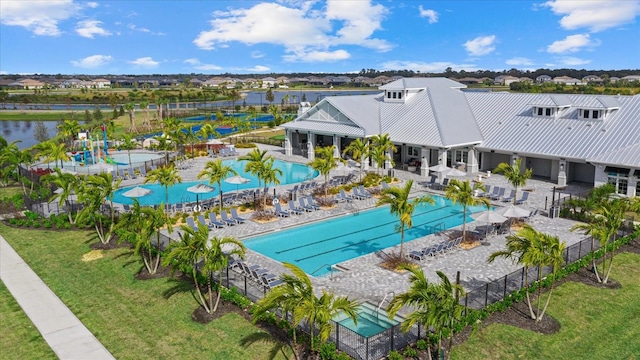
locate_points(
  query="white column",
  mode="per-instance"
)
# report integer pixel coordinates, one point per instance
(472, 161)
(562, 173)
(311, 153)
(424, 162)
(336, 146)
(442, 156)
(632, 183)
(288, 149)
(387, 160)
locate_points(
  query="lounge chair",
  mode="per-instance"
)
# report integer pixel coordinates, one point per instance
(356, 194)
(191, 223)
(143, 171)
(202, 221)
(344, 196)
(495, 191)
(126, 207)
(312, 203)
(236, 217)
(213, 221)
(279, 211)
(499, 195)
(431, 182)
(294, 209)
(486, 192)
(364, 192)
(510, 197)
(121, 174)
(442, 186)
(225, 219)
(270, 280)
(304, 206)
(132, 174)
(422, 254)
(384, 185)
(523, 198)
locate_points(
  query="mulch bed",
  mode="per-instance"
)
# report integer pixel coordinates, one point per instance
(161, 272)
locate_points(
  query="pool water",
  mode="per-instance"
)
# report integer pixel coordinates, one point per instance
(291, 173)
(371, 321)
(315, 247)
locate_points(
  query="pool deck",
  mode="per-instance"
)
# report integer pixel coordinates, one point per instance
(365, 280)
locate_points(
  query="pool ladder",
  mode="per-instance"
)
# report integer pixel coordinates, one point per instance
(382, 302)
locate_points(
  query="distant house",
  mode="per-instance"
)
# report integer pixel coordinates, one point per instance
(468, 80)
(592, 79)
(268, 82)
(101, 83)
(505, 80)
(631, 78)
(566, 80)
(27, 84)
(213, 82)
(543, 79)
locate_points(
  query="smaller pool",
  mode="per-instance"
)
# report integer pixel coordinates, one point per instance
(371, 321)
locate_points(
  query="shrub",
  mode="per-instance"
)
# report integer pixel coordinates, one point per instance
(421, 344)
(410, 352)
(394, 355)
(327, 351)
(246, 145)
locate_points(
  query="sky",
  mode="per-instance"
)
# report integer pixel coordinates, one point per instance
(333, 36)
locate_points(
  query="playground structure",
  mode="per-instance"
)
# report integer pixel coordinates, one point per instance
(91, 154)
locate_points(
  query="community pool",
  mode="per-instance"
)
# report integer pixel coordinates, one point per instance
(316, 247)
(291, 173)
(371, 321)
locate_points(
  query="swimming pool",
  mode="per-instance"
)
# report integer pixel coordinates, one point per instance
(291, 173)
(371, 321)
(315, 247)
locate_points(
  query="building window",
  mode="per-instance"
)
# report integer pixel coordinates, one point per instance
(540, 111)
(619, 180)
(637, 186)
(594, 114)
(585, 114)
(389, 95)
(400, 95)
(548, 112)
(413, 151)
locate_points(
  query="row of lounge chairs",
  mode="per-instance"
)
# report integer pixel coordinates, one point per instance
(224, 152)
(128, 174)
(256, 273)
(214, 223)
(306, 204)
(302, 188)
(358, 193)
(498, 194)
(432, 251)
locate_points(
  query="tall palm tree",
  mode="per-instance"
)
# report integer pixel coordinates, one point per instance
(461, 192)
(324, 162)
(139, 227)
(531, 248)
(296, 296)
(208, 130)
(128, 143)
(56, 152)
(131, 109)
(216, 171)
(146, 122)
(69, 184)
(513, 174)
(191, 137)
(165, 176)
(193, 252)
(383, 143)
(69, 129)
(402, 207)
(269, 174)
(255, 162)
(435, 306)
(96, 189)
(359, 151)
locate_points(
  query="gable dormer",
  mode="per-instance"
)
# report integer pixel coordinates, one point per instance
(396, 95)
(553, 106)
(598, 109)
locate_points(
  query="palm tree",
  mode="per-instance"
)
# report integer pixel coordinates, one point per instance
(193, 252)
(10, 159)
(165, 176)
(146, 123)
(128, 143)
(324, 162)
(208, 130)
(461, 192)
(403, 208)
(138, 227)
(69, 129)
(379, 156)
(96, 189)
(131, 108)
(383, 143)
(191, 137)
(56, 152)
(531, 248)
(269, 174)
(69, 184)
(216, 171)
(359, 151)
(296, 296)
(436, 306)
(255, 162)
(514, 175)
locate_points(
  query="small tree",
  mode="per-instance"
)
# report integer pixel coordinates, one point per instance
(324, 162)
(216, 171)
(165, 176)
(461, 192)
(359, 151)
(513, 174)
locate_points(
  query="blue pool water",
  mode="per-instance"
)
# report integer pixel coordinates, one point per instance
(371, 321)
(315, 247)
(291, 173)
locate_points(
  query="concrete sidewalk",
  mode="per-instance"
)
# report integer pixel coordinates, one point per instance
(62, 330)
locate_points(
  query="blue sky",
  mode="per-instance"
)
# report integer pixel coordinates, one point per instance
(260, 37)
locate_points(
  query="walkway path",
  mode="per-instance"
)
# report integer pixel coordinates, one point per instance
(65, 334)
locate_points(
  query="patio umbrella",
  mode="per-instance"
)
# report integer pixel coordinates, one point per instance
(237, 180)
(136, 192)
(456, 173)
(101, 167)
(200, 189)
(513, 212)
(490, 217)
(439, 168)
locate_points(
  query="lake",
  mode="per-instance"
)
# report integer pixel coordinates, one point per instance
(23, 131)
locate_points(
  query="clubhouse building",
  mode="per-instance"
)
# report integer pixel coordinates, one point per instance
(564, 138)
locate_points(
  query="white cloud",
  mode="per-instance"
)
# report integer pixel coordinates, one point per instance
(317, 56)
(572, 61)
(306, 33)
(93, 61)
(39, 17)
(92, 4)
(89, 28)
(3, 72)
(572, 43)
(144, 30)
(432, 15)
(481, 45)
(433, 67)
(146, 62)
(519, 61)
(259, 69)
(595, 15)
(257, 54)
(196, 64)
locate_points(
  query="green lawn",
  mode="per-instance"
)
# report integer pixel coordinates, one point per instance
(20, 339)
(40, 115)
(596, 324)
(131, 318)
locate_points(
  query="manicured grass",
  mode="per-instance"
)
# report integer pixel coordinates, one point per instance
(40, 115)
(596, 324)
(20, 339)
(132, 318)
(9, 191)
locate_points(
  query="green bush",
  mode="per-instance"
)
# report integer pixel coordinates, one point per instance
(245, 145)
(410, 352)
(394, 355)
(327, 351)
(421, 344)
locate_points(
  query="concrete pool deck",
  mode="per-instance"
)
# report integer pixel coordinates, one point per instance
(365, 280)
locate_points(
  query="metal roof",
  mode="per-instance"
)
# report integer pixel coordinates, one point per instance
(421, 83)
